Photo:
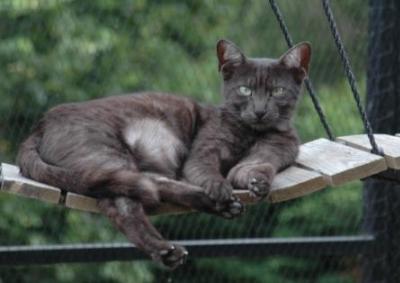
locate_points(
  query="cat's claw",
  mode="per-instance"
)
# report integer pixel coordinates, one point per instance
(219, 191)
(231, 209)
(173, 256)
(258, 188)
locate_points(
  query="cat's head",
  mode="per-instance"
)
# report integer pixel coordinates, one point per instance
(261, 92)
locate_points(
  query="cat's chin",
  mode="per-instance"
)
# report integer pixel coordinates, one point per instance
(260, 127)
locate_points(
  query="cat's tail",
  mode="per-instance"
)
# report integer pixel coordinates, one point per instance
(34, 167)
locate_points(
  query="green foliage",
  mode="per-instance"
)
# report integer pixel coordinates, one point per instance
(54, 51)
(328, 207)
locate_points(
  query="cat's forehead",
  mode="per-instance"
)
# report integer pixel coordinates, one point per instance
(262, 62)
(263, 66)
(264, 69)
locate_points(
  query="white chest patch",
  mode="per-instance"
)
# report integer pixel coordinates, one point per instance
(155, 141)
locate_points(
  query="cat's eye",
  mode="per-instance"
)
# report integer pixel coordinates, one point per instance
(245, 91)
(278, 92)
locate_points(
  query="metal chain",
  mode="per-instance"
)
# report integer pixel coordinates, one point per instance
(350, 75)
(307, 81)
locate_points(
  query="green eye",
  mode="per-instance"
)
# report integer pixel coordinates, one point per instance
(245, 91)
(278, 92)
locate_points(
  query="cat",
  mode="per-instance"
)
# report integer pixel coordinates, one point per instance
(131, 151)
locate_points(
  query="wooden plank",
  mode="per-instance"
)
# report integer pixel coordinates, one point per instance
(13, 182)
(89, 204)
(339, 163)
(295, 182)
(81, 202)
(389, 144)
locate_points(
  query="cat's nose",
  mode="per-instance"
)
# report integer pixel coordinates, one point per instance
(259, 114)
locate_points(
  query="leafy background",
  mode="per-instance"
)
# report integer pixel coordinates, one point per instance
(54, 51)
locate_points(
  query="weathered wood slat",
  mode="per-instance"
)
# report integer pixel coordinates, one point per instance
(81, 202)
(339, 163)
(389, 144)
(89, 204)
(295, 182)
(13, 182)
(292, 183)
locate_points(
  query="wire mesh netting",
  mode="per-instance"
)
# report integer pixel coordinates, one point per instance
(381, 199)
(65, 50)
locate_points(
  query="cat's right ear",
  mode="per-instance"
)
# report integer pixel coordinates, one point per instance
(298, 59)
(229, 57)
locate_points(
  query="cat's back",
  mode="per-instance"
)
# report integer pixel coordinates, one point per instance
(119, 111)
(157, 128)
(143, 103)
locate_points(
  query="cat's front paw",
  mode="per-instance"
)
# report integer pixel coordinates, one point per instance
(259, 180)
(258, 188)
(219, 191)
(256, 178)
(232, 209)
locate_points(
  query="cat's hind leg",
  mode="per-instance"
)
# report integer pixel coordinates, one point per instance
(122, 192)
(188, 195)
(151, 190)
(129, 217)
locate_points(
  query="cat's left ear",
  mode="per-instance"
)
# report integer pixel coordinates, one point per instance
(229, 56)
(298, 59)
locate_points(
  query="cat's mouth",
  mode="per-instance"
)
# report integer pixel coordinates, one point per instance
(260, 124)
(263, 124)
(259, 127)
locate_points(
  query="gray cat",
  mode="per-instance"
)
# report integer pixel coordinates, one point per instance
(131, 151)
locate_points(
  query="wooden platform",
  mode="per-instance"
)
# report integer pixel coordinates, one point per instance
(389, 144)
(320, 163)
(291, 183)
(339, 163)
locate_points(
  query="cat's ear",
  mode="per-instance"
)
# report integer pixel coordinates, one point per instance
(298, 59)
(229, 56)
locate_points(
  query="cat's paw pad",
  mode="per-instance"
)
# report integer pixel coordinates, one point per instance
(219, 191)
(258, 188)
(173, 256)
(231, 209)
(259, 180)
